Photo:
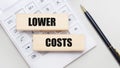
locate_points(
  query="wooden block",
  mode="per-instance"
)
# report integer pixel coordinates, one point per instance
(58, 42)
(42, 22)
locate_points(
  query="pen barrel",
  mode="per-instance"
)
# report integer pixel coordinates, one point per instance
(103, 37)
(99, 31)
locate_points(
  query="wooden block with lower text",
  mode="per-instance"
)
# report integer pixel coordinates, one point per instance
(58, 42)
(42, 22)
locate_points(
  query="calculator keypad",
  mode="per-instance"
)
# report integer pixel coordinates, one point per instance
(24, 39)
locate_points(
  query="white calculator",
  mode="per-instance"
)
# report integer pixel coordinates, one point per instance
(23, 40)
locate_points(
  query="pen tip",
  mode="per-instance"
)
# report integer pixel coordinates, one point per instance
(118, 51)
(83, 9)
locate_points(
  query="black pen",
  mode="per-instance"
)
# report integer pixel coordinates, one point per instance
(101, 34)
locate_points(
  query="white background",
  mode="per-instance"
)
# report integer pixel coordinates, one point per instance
(107, 15)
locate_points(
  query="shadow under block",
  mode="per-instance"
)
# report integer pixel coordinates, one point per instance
(42, 22)
(58, 42)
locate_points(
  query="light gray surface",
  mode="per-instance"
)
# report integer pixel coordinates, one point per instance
(105, 12)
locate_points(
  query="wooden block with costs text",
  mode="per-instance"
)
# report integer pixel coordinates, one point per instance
(58, 42)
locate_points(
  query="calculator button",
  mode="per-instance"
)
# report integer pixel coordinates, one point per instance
(30, 7)
(75, 29)
(48, 9)
(28, 33)
(14, 32)
(43, 53)
(40, 1)
(37, 12)
(28, 48)
(34, 56)
(59, 3)
(10, 22)
(65, 9)
(24, 39)
(20, 11)
(71, 19)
